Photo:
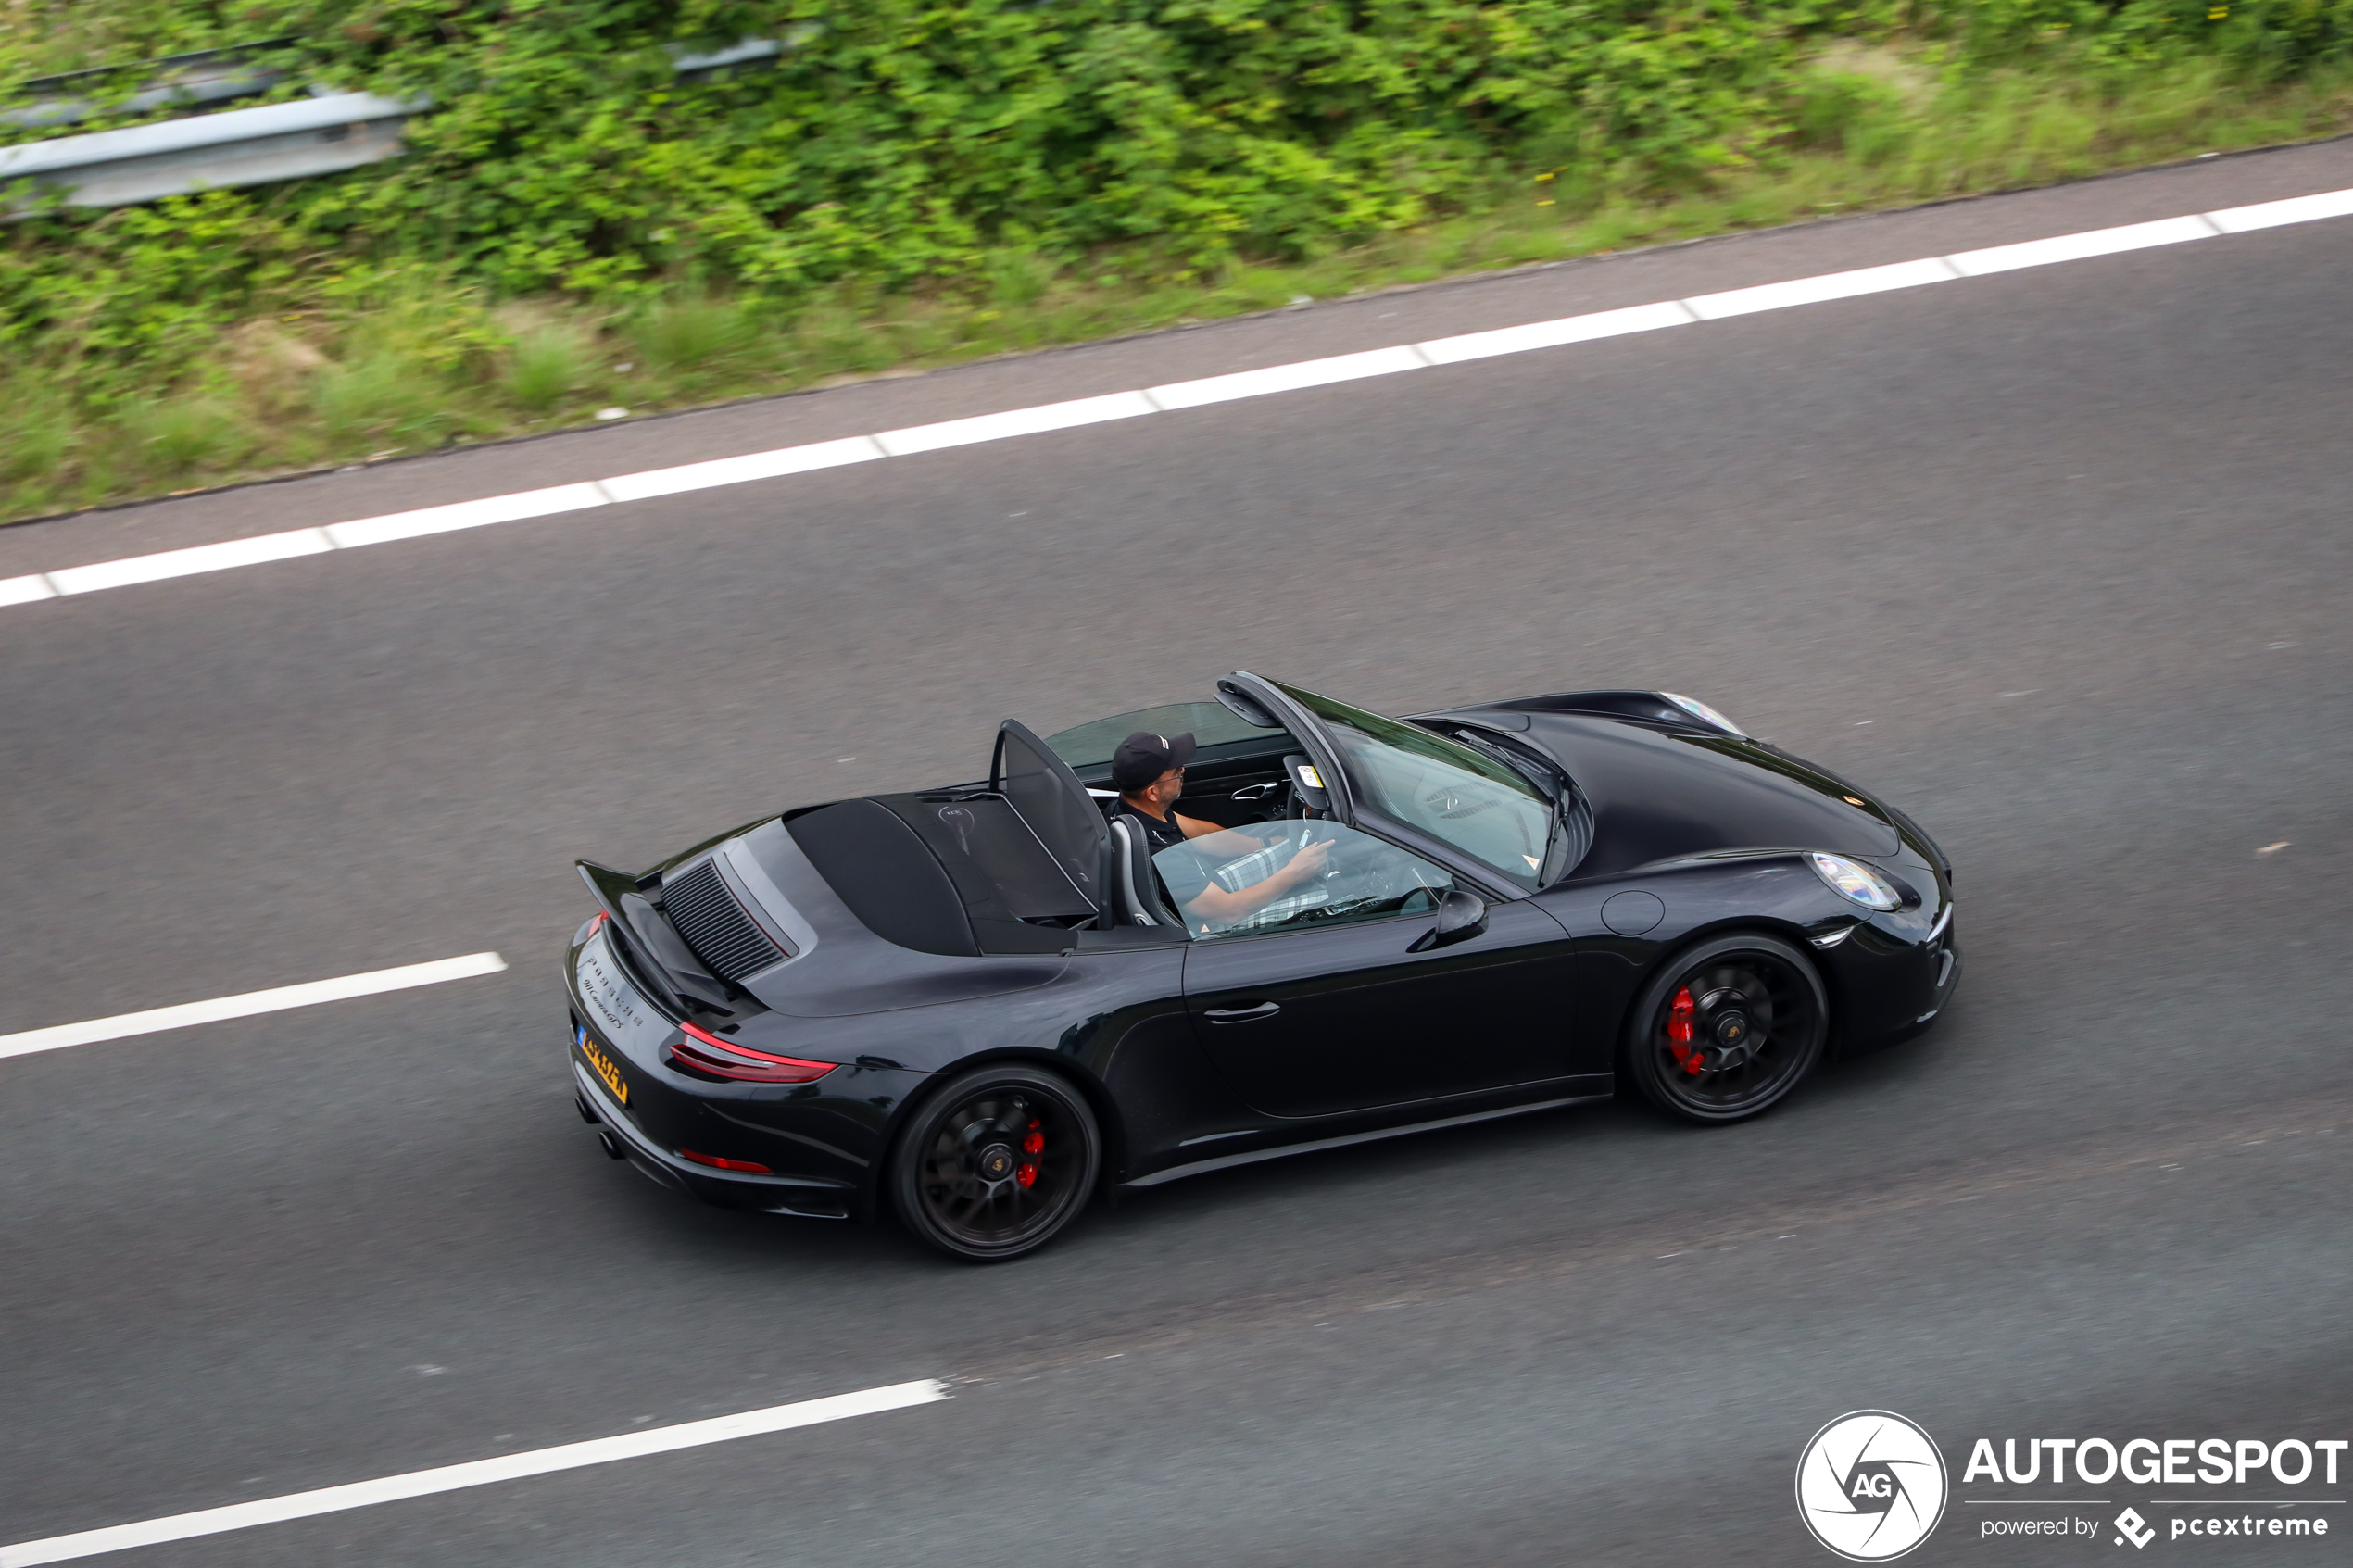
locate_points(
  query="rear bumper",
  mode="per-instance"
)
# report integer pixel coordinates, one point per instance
(812, 1196)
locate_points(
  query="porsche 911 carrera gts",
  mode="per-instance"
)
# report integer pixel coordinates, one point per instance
(976, 1006)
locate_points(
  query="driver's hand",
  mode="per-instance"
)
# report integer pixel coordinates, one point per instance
(1308, 862)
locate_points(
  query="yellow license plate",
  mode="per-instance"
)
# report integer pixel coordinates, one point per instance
(608, 1072)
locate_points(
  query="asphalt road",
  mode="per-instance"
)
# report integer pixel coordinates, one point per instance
(2057, 558)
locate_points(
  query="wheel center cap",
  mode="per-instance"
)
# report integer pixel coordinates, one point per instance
(996, 1162)
(1732, 1038)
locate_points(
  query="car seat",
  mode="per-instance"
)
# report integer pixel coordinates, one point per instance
(1136, 897)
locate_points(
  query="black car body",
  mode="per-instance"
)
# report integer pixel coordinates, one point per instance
(777, 1019)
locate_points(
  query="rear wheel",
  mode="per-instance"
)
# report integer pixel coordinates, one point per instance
(1727, 1029)
(996, 1163)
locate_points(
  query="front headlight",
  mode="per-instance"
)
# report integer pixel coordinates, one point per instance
(1703, 713)
(1856, 881)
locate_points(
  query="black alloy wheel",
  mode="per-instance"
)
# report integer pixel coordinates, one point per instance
(1727, 1028)
(996, 1163)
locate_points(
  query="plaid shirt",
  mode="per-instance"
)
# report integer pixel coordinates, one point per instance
(1245, 871)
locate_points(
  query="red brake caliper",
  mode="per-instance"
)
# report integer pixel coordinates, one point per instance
(1679, 1033)
(1033, 1145)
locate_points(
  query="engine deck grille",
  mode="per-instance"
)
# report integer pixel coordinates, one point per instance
(714, 925)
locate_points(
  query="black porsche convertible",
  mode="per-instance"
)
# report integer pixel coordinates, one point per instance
(976, 1006)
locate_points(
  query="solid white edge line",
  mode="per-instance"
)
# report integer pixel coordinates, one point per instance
(465, 514)
(1816, 290)
(1034, 421)
(249, 551)
(2295, 210)
(475, 1472)
(1178, 395)
(736, 471)
(1294, 377)
(1554, 333)
(2080, 247)
(123, 1025)
(24, 590)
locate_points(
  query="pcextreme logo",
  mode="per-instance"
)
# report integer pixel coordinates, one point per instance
(1871, 1485)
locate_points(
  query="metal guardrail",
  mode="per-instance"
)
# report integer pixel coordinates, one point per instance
(209, 76)
(325, 133)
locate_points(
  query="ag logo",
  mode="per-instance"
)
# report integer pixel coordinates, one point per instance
(1870, 1486)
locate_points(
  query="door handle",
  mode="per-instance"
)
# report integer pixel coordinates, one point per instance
(1242, 1015)
(1257, 792)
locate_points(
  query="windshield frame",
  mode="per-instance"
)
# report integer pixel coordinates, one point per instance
(1329, 713)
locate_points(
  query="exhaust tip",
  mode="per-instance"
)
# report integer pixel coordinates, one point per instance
(612, 1147)
(587, 1113)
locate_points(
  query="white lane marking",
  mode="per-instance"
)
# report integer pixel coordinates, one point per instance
(1814, 290)
(2077, 247)
(476, 1472)
(1285, 378)
(1553, 334)
(735, 470)
(1275, 379)
(123, 1025)
(181, 563)
(465, 514)
(2295, 210)
(1013, 422)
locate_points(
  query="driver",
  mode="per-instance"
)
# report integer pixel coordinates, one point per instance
(1149, 771)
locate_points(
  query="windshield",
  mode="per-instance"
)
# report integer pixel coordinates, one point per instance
(1478, 805)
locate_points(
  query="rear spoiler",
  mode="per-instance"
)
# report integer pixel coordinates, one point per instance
(639, 930)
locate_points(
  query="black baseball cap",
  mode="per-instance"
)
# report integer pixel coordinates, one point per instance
(1143, 757)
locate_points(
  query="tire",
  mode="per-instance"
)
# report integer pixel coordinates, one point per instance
(1726, 1029)
(996, 1162)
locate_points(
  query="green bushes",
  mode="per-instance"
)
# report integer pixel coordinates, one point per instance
(934, 177)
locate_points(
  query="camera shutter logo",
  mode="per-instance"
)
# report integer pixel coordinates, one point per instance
(1871, 1485)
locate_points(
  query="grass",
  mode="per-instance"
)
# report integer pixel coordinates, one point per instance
(433, 364)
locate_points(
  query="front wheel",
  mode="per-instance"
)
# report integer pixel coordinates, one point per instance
(996, 1163)
(1726, 1029)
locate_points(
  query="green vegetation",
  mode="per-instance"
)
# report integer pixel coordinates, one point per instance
(916, 183)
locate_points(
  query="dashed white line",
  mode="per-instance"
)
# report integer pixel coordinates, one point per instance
(344, 987)
(475, 1472)
(1273, 379)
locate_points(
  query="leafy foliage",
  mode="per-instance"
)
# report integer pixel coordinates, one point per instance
(977, 149)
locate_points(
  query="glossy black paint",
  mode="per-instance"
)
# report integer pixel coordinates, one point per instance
(1204, 1054)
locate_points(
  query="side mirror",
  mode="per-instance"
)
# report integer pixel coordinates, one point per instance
(1461, 916)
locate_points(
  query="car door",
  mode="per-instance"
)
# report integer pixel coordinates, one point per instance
(1319, 1005)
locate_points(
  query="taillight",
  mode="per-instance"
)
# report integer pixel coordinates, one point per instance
(718, 1164)
(702, 1051)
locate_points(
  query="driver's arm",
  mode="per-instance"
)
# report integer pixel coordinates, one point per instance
(1216, 903)
(1228, 842)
